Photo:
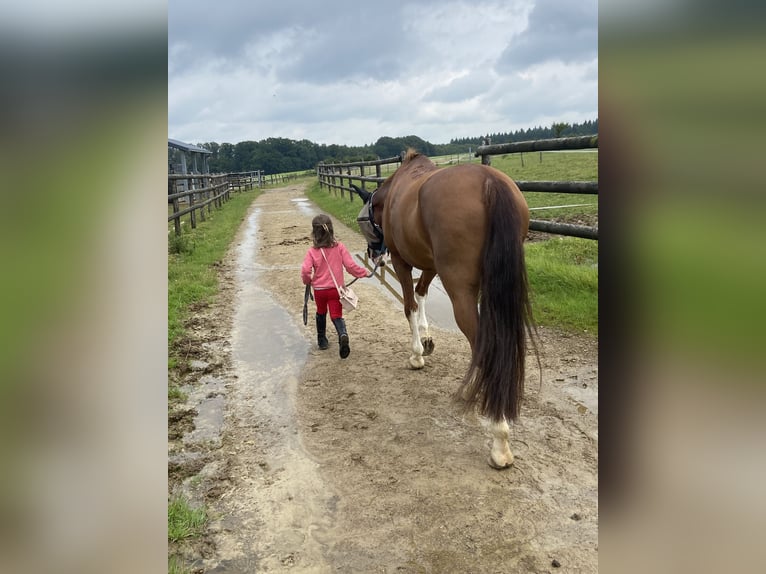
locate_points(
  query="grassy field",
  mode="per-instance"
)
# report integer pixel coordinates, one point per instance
(563, 278)
(563, 271)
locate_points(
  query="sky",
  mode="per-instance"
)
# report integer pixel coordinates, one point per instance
(349, 72)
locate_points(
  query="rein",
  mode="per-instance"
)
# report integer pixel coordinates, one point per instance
(374, 268)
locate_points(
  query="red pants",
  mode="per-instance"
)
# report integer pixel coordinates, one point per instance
(325, 298)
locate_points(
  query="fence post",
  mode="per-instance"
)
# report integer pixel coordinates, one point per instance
(192, 214)
(176, 220)
(203, 195)
(486, 159)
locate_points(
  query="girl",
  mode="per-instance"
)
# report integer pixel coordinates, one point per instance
(335, 257)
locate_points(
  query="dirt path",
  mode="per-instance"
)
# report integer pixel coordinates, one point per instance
(363, 465)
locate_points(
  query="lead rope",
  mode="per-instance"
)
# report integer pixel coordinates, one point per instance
(375, 267)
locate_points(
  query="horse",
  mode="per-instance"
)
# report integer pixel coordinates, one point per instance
(467, 224)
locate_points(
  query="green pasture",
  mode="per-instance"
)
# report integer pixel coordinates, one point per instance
(563, 279)
(555, 166)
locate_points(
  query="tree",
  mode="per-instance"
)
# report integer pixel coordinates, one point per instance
(558, 128)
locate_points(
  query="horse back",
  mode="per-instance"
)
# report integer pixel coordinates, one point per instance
(453, 204)
(439, 216)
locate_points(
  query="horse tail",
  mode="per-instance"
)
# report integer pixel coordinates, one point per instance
(495, 379)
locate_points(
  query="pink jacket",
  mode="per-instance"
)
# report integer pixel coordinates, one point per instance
(338, 257)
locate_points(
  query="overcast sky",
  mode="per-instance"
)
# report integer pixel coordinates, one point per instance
(348, 72)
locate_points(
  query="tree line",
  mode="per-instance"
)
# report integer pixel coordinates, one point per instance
(280, 155)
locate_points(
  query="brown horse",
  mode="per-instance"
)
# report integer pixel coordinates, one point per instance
(466, 224)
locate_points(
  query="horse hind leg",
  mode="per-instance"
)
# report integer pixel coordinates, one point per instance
(425, 338)
(500, 455)
(421, 294)
(416, 360)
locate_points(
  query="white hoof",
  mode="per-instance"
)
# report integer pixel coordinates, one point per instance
(500, 461)
(416, 362)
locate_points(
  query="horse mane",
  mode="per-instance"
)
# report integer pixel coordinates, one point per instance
(416, 164)
(410, 155)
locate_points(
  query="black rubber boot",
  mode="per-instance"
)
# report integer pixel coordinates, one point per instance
(322, 332)
(340, 326)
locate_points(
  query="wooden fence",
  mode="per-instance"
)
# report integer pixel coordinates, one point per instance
(279, 178)
(579, 187)
(202, 191)
(333, 176)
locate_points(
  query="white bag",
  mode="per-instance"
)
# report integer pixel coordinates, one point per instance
(348, 299)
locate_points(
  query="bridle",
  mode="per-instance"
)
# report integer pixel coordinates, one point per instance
(375, 249)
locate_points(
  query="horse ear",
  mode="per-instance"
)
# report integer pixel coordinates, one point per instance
(365, 195)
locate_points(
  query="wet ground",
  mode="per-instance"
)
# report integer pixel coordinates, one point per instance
(310, 463)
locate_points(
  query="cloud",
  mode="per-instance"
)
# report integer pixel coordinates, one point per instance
(558, 30)
(344, 72)
(464, 87)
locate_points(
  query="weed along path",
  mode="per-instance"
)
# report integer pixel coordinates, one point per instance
(311, 463)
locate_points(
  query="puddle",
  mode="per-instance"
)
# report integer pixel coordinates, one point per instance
(267, 346)
(305, 206)
(269, 352)
(209, 398)
(582, 388)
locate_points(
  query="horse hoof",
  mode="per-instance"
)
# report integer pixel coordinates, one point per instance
(428, 346)
(416, 363)
(500, 465)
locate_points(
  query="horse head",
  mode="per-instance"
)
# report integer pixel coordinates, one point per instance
(370, 223)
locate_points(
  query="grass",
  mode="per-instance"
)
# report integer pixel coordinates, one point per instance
(184, 522)
(554, 166)
(549, 166)
(563, 271)
(175, 566)
(192, 277)
(563, 279)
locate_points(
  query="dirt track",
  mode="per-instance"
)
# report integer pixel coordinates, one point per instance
(363, 465)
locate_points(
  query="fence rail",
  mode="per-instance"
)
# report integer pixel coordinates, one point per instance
(332, 175)
(554, 144)
(335, 176)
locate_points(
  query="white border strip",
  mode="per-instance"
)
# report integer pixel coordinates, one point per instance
(561, 206)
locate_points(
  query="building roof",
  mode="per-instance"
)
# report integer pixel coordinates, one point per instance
(187, 147)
